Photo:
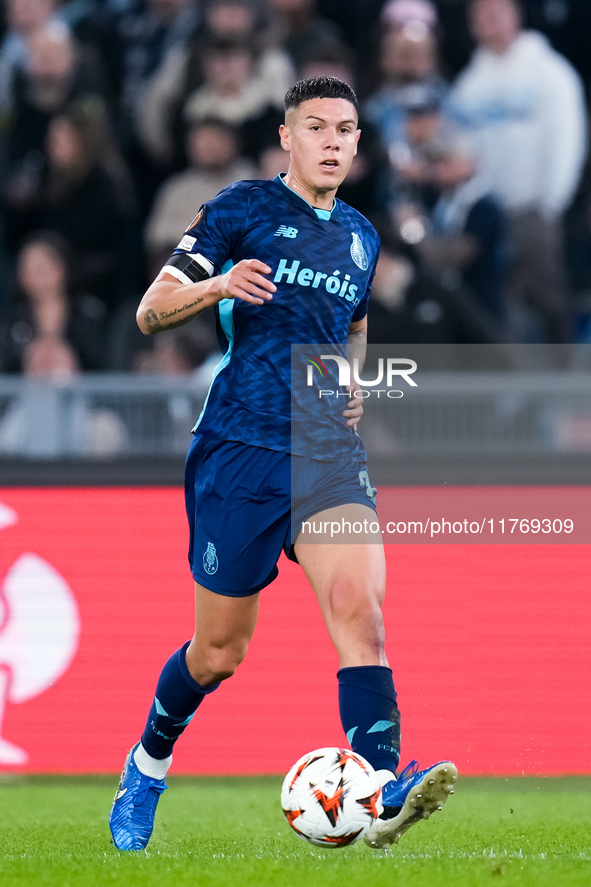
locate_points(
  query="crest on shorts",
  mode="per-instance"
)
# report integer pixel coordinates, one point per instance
(210, 559)
(358, 253)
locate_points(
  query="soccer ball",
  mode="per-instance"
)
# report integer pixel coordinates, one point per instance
(331, 797)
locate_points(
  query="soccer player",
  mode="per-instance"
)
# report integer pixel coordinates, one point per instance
(284, 263)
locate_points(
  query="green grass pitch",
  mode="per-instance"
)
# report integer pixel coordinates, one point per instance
(220, 832)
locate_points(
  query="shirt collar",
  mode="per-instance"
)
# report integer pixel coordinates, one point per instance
(324, 214)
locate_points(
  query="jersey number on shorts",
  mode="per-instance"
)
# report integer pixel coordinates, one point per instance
(364, 481)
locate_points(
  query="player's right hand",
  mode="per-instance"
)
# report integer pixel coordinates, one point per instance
(246, 281)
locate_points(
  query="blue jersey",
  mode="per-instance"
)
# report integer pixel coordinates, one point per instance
(322, 265)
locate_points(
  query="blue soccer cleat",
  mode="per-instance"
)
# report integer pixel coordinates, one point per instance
(131, 819)
(413, 796)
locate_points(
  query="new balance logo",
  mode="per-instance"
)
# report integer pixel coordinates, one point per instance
(284, 231)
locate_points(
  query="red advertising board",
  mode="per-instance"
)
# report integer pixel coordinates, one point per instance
(490, 646)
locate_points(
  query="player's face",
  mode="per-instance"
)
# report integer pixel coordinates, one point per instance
(321, 136)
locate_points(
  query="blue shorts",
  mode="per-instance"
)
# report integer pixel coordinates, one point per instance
(246, 504)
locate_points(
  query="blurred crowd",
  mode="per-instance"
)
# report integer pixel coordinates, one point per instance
(119, 118)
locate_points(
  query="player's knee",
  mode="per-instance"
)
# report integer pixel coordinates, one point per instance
(220, 662)
(352, 606)
(356, 619)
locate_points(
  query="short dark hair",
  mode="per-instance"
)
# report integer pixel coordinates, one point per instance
(319, 88)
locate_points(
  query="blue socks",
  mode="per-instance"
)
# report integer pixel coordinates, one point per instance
(367, 704)
(178, 696)
(370, 715)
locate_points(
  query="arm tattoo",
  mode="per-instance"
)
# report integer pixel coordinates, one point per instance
(165, 315)
(156, 322)
(151, 321)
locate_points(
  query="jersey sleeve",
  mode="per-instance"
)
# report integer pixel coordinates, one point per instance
(212, 237)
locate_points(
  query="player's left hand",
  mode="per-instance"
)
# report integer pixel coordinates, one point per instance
(354, 410)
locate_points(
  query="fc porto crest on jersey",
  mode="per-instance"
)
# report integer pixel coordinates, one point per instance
(358, 253)
(210, 560)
